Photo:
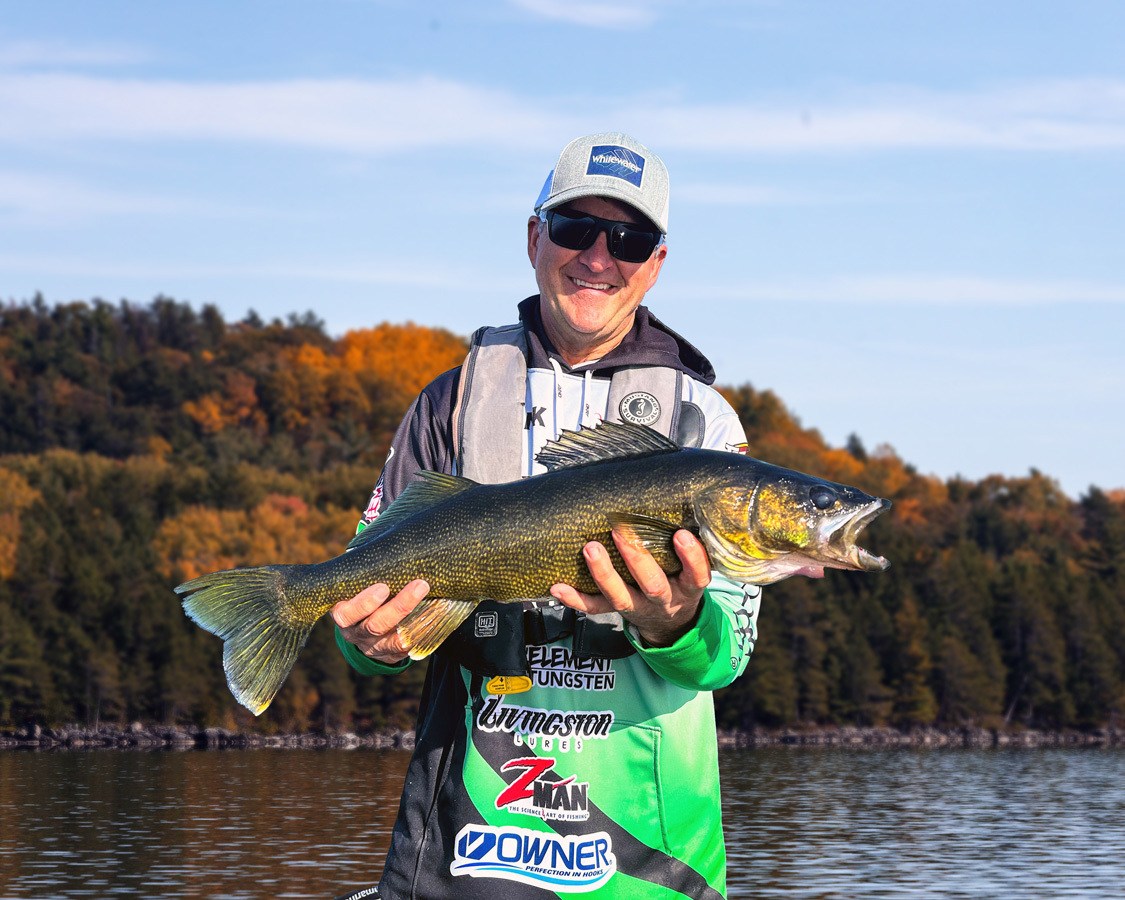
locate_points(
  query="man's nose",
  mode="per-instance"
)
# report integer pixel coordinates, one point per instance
(597, 257)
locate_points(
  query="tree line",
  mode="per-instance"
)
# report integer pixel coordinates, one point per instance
(141, 445)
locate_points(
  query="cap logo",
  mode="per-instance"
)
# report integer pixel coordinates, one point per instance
(640, 408)
(616, 162)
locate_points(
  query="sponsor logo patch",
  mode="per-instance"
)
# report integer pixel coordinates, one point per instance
(617, 162)
(535, 417)
(565, 864)
(746, 619)
(547, 729)
(486, 625)
(640, 408)
(742, 448)
(559, 667)
(372, 512)
(535, 794)
(509, 684)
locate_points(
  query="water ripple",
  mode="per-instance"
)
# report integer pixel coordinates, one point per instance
(801, 823)
(925, 823)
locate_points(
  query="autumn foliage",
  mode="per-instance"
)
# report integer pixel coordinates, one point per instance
(140, 446)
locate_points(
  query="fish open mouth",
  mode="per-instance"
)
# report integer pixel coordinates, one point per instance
(843, 539)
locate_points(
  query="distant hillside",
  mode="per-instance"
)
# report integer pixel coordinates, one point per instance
(140, 445)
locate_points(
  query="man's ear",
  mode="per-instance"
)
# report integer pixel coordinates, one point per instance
(533, 234)
(656, 262)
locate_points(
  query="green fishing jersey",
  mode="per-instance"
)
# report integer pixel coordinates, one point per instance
(600, 779)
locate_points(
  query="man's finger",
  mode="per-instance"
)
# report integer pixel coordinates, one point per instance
(386, 618)
(591, 604)
(652, 581)
(347, 612)
(606, 577)
(697, 565)
(389, 649)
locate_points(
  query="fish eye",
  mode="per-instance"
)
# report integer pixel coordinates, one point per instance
(822, 497)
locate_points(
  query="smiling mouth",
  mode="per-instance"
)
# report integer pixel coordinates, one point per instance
(596, 285)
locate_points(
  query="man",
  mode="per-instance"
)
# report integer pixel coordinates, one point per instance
(567, 745)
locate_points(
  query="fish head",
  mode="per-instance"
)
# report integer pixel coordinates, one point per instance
(782, 523)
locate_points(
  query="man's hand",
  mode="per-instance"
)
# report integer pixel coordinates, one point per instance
(370, 620)
(661, 608)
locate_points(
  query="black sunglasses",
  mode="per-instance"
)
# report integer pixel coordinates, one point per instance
(577, 231)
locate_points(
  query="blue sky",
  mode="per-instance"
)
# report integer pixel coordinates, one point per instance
(907, 219)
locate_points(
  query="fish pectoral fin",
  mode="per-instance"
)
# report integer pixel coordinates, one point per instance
(431, 622)
(653, 535)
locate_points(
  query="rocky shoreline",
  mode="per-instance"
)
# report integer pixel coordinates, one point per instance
(147, 737)
(178, 737)
(969, 737)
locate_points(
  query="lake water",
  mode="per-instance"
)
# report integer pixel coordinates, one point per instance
(801, 823)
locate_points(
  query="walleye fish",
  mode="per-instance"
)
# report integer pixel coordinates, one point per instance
(510, 542)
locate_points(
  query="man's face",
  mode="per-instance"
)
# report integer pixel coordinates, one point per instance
(588, 297)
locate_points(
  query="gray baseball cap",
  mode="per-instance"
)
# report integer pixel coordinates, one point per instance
(610, 164)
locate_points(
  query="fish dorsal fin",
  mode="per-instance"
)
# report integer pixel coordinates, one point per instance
(607, 440)
(428, 490)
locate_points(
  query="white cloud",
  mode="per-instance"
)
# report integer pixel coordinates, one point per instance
(702, 193)
(1049, 115)
(365, 116)
(897, 290)
(595, 14)
(27, 199)
(374, 272)
(25, 54)
(921, 289)
(344, 115)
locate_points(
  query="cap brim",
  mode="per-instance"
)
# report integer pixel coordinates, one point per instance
(611, 191)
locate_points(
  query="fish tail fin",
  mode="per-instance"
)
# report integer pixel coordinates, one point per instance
(431, 622)
(247, 609)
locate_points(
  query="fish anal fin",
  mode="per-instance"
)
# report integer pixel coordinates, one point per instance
(431, 622)
(429, 489)
(605, 441)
